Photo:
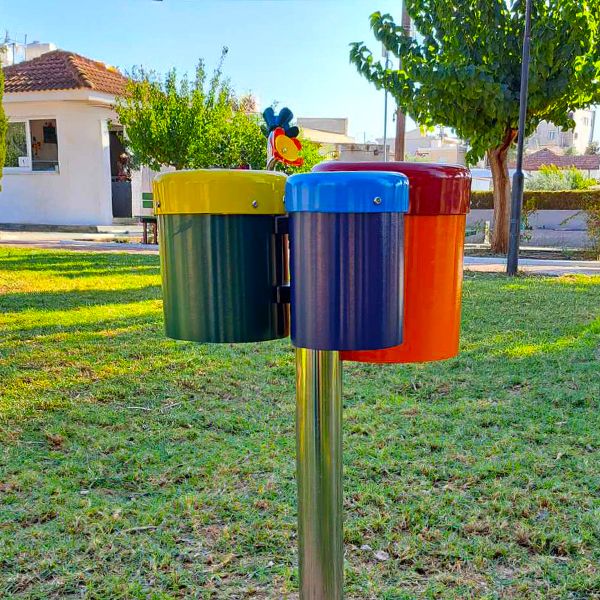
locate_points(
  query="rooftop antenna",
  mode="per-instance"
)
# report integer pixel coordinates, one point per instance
(9, 41)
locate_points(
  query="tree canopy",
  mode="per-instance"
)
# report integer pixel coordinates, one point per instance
(186, 124)
(462, 70)
(194, 124)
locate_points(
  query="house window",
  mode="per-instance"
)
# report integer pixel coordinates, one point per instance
(17, 153)
(44, 145)
(32, 145)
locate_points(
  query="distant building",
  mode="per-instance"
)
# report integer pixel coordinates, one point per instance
(589, 164)
(330, 125)
(428, 147)
(332, 135)
(550, 136)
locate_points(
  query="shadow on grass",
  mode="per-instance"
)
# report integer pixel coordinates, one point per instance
(71, 264)
(68, 300)
(100, 327)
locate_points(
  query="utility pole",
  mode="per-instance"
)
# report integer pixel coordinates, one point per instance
(400, 116)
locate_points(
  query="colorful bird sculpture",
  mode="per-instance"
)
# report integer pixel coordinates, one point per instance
(283, 144)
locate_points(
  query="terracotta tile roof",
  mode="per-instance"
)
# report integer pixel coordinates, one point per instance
(62, 70)
(533, 162)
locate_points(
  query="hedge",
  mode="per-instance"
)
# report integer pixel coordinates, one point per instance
(537, 200)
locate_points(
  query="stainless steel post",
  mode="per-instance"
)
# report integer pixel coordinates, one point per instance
(319, 474)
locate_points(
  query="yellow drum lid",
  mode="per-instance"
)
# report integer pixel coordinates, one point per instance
(219, 191)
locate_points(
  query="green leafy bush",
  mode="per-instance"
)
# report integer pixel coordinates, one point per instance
(544, 200)
(3, 123)
(195, 124)
(552, 178)
(593, 223)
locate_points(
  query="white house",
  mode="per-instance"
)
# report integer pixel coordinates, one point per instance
(62, 152)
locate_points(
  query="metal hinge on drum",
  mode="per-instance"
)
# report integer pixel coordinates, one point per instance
(281, 294)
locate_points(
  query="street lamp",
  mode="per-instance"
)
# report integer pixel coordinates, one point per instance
(386, 55)
(518, 178)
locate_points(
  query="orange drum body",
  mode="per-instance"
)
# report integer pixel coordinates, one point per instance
(434, 238)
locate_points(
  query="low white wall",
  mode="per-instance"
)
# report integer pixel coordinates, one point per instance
(141, 183)
(558, 220)
(80, 193)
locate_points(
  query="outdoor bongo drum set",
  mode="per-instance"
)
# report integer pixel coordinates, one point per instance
(355, 261)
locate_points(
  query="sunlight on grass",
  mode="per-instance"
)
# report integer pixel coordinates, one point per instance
(587, 336)
(33, 320)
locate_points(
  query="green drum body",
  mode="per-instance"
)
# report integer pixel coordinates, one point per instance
(222, 273)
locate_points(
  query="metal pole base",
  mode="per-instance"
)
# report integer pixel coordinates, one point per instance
(319, 474)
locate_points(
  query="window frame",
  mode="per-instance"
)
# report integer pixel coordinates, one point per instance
(28, 142)
(29, 169)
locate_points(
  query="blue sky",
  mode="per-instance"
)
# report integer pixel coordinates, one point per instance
(291, 51)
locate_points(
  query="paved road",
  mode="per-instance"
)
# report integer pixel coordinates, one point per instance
(534, 266)
(82, 246)
(100, 243)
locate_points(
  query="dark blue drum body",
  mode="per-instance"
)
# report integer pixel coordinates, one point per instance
(347, 259)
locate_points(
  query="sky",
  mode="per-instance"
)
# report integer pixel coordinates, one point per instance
(294, 52)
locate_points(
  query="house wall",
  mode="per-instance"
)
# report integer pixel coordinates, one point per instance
(332, 125)
(415, 140)
(80, 193)
(549, 228)
(583, 133)
(548, 135)
(360, 152)
(453, 155)
(556, 220)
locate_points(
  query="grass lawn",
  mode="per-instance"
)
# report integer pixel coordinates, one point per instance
(132, 466)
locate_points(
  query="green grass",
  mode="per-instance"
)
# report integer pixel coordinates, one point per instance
(132, 466)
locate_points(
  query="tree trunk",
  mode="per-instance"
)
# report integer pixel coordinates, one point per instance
(498, 158)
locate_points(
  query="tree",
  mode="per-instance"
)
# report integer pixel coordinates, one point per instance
(3, 122)
(188, 124)
(310, 152)
(593, 148)
(192, 125)
(462, 70)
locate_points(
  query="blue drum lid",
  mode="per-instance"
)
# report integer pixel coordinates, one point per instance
(347, 192)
